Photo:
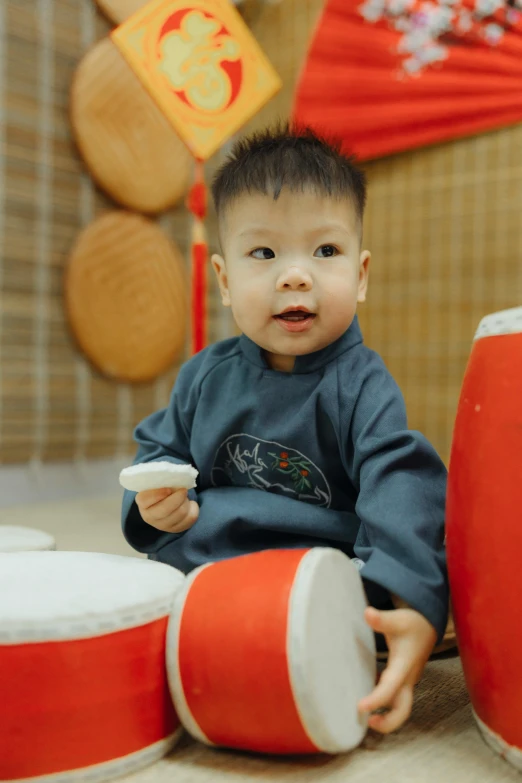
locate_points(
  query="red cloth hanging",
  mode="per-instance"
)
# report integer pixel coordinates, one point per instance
(390, 75)
(197, 204)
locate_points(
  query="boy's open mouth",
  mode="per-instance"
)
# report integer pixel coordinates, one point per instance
(295, 316)
(297, 319)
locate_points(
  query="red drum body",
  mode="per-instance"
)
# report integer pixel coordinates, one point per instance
(270, 652)
(484, 530)
(83, 683)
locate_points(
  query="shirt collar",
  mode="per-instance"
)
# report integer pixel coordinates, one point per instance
(310, 362)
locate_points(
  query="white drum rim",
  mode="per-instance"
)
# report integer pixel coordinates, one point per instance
(509, 753)
(173, 671)
(109, 769)
(300, 678)
(43, 541)
(67, 628)
(502, 322)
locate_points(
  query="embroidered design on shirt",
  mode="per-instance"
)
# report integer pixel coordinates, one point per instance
(245, 461)
(297, 467)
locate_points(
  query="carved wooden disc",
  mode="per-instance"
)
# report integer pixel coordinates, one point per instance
(118, 11)
(129, 146)
(126, 297)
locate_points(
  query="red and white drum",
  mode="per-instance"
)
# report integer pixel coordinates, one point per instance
(83, 683)
(270, 652)
(484, 530)
(15, 538)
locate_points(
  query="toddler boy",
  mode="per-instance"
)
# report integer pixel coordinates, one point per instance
(297, 429)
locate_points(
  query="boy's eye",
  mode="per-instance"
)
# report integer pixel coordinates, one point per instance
(263, 253)
(326, 251)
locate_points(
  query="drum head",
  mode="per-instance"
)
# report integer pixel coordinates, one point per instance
(59, 595)
(14, 538)
(503, 322)
(331, 650)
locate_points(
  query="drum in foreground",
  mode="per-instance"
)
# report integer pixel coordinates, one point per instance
(484, 530)
(83, 686)
(270, 652)
(15, 538)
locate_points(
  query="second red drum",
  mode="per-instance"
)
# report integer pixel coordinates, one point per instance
(484, 530)
(270, 652)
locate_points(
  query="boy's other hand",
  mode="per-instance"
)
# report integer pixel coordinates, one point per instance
(411, 639)
(167, 509)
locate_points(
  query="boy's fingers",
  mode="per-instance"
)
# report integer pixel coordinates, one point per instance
(149, 497)
(397, 716)
(174, 501)
(179, 525)
(164, 508)
(384, 693)
(388, 622)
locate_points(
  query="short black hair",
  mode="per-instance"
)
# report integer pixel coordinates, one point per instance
(289, 157)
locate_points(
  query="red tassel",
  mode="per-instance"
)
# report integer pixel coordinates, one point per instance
(199, 288)
(197, 204)
(197, 200)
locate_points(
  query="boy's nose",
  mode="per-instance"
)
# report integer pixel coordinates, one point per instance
(294, 278)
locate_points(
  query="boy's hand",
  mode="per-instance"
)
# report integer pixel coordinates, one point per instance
(411, 639)
(167, 509)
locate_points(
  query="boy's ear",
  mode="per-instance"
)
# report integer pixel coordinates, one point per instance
(220, 269)
(364, 271)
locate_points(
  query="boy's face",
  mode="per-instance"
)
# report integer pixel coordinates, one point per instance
(292, 271)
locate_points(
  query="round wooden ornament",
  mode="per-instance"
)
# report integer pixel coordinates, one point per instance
(130, 147)
(118, 11)
(126, 297)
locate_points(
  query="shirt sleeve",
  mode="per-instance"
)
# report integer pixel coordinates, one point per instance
(401, 484)
(163, 436)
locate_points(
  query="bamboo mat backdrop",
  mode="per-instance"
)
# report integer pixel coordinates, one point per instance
(443, 225)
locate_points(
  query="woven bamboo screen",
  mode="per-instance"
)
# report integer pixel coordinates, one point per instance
(443, 225)
(445, 230)
(53, 406)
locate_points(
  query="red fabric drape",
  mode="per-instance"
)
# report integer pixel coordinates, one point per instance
(390, 75)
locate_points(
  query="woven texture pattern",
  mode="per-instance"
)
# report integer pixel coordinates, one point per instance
(444, 230)
(443, 224)
(128, 144)
(53, 406)
(126, 297)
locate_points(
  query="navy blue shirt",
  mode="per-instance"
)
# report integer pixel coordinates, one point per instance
(321, 456)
